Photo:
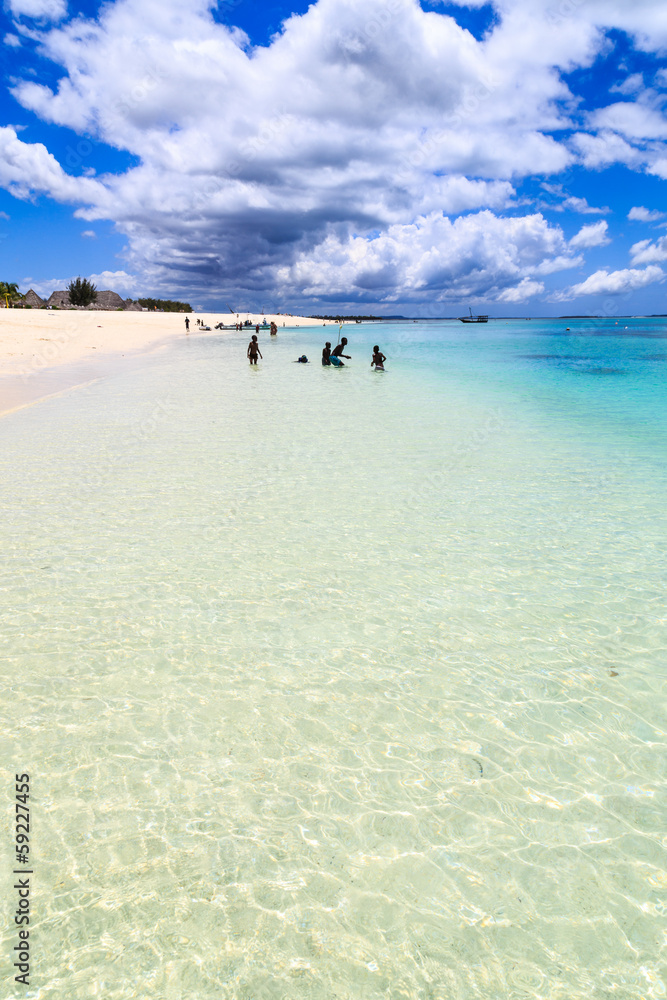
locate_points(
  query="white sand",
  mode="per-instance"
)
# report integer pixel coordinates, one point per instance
(43, 351)
(34, 339)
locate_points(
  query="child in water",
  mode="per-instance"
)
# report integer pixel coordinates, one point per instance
(326, 353)
(338, 351)
(378, 359)
(253, 350)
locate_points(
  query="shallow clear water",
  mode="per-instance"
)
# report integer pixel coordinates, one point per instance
(346, 684)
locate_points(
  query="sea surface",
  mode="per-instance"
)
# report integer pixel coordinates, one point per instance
(344, 684)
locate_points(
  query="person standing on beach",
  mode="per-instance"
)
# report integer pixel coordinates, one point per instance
(326, 353)
(187, 325)
(253, 350)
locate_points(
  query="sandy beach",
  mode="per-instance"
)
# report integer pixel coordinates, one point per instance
(44, 351)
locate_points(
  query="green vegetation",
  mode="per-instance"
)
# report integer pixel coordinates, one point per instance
(81, 292)
(165, 305)
(352, 319)
(9, 291)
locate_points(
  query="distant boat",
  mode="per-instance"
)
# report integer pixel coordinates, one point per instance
(473, 319)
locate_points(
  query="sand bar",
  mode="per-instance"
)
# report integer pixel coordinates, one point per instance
(43, 351)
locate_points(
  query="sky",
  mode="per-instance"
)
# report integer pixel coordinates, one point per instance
(362, 156)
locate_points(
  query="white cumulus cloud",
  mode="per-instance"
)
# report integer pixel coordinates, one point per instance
(632, 119)
(27, 169)
(593, 235)
(115, 281)
(640, 214)
(570, 203)
(526, 289)
(433, 259)
(658, 167)
(604, 148)
(605, 282)
(49, 10)
(631, 85)
(581, 205)
(360, 120)
(646, 252)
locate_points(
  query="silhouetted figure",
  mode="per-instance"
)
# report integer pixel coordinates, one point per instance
(378, 359)
(253, 350)
(338, 350)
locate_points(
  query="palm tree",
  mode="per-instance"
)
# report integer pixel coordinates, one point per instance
(9, 291)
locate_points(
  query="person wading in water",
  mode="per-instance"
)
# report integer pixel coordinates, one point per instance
(338, 350)
(253, 350)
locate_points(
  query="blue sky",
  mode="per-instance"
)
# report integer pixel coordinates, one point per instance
(363, 155)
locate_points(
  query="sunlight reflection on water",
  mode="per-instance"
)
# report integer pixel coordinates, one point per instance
(344, 684)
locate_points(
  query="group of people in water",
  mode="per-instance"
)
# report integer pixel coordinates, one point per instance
(333, 357)
(273, 328)
(329, 357)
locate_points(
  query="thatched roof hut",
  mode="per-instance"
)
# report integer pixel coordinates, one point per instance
(59, 299)
(31, 298)
(105, 300)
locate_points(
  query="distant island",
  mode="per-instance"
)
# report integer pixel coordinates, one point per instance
(353, 319)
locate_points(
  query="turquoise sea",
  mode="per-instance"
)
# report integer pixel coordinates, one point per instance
(341, 684)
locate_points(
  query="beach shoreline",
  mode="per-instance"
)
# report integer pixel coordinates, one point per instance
(46, 351)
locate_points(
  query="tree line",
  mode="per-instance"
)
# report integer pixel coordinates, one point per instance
(350, 319)
(165, 305)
